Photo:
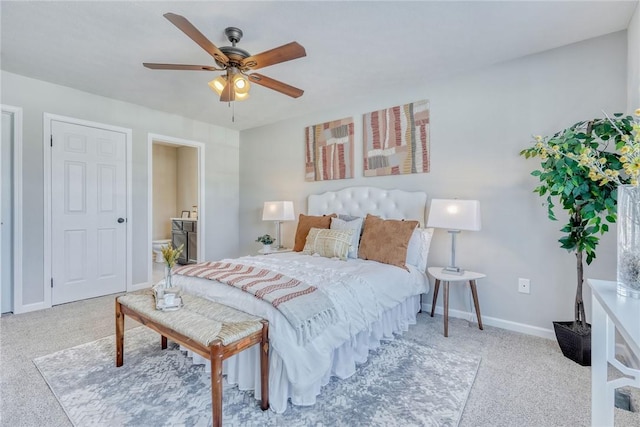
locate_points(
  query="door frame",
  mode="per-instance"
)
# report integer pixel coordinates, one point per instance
(199, 146)
(46, 139)
(16, 113)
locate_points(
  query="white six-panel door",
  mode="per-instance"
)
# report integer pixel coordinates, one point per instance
(88, 212)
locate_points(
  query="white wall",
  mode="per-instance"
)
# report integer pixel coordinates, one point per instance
(221, 180)
(187, 180)
(165, 184)
(633, 62)
(480, 122)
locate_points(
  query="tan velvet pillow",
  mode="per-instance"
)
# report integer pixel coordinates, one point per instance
(386, 241)
(305, 223)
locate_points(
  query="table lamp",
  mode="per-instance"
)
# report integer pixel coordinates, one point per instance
(278, 212)
(454, 215)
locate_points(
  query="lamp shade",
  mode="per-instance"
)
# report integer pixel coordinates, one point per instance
(241, 84)
(278, 211)
(454, 214)
(218, 84)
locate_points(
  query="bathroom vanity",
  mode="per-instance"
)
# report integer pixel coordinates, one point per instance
(184, 231)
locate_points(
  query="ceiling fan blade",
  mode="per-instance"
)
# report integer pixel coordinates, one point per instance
(155, 66)
(194, 34)
(277, 55)
(228, 94)
(276, 85)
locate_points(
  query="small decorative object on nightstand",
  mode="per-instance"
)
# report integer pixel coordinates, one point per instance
(266, 241)
(441, 275)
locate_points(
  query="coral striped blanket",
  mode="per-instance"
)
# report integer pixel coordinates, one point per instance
(308, 310)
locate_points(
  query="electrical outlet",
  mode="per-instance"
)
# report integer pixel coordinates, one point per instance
(523, 286)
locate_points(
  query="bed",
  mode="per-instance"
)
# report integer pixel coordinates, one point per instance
(372, 301)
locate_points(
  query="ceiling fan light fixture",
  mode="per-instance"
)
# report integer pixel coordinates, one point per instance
(218, 84)
(240, 84)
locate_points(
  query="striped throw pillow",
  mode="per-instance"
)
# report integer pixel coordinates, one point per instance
(328, 243)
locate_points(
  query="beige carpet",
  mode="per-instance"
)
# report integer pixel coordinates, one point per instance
(522, 380)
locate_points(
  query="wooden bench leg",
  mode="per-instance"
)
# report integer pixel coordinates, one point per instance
(264, 366)
(474, 292)
(119, 335)
(436, 288)
(163, 342)
(216, 383)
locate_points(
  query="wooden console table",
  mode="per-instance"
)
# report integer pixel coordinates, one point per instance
(611, 313)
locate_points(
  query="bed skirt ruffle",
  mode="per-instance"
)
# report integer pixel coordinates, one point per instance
(243, 369)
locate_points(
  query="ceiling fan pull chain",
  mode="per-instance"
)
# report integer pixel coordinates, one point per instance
(233, 112)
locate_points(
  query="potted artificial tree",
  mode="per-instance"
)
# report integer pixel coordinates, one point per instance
(580, 173)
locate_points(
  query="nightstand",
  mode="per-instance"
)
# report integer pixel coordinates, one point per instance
(467, 276)
(275, 251)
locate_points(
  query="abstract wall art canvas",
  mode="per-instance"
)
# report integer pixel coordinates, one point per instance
(396, 140)
(329, 150)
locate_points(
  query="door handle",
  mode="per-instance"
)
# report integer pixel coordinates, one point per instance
(120, 220)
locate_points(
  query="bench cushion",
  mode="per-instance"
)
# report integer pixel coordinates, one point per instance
(202, 320)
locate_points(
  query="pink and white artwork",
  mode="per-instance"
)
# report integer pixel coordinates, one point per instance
(329, 150)
(396, 140)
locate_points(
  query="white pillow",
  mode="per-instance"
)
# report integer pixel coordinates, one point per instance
(356, 226)
(348, 217)
(418, 248)
(328, 243)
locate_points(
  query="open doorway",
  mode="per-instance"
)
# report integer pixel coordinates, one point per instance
(176, 200)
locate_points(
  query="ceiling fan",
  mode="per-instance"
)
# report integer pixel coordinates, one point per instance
(234, 84)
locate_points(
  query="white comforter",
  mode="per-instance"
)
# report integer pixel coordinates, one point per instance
(361, 291)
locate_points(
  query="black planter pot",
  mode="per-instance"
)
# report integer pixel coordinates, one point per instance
(574, 346)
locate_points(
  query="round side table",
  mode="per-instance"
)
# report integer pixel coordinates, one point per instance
(446, 278)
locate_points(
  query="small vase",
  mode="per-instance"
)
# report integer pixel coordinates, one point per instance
(629, 241)
(158, 293)
(168, 277)
(266, 249)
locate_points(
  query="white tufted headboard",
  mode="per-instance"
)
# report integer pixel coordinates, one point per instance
(359, 201)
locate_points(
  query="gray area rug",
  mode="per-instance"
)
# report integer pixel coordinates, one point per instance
(403, 383)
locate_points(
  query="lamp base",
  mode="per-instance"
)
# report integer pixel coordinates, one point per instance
(453, 270)
(278, 244)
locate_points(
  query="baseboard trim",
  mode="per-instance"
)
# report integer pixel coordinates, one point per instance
(139, 286)
(494, 321)
(26, 308)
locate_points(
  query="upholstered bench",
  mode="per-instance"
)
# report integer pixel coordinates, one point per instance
(210, 329)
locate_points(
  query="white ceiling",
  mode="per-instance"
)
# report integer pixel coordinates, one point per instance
(351, 47)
